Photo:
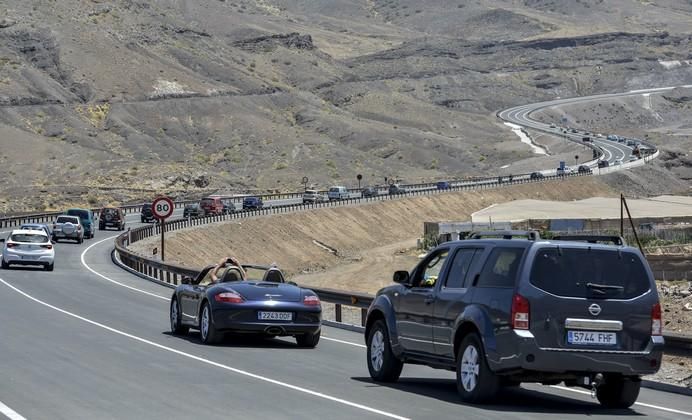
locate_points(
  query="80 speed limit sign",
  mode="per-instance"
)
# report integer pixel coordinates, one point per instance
(162, 207)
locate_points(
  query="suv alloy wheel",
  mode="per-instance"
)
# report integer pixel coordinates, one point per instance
(475, 381)
(382, 364)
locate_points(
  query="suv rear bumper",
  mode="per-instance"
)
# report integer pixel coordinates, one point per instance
(531, 357)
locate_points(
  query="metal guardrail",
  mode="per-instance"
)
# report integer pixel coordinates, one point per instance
(171, 275)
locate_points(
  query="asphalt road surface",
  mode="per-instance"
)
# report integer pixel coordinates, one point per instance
(91, 341)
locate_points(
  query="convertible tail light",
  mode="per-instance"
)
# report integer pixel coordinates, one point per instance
(656, 320)
(520, 312)
(47, 246)
(11, 244)
(229, 297)
(311, 300)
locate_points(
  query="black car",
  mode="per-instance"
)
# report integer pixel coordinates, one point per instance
(264, 304)
(506, 311)
(193, 210)
(111, 217)
(536, 175)
(395, 189)
(147, 214)
(369, 192)
(603, 163)
(583, 169)
(252, 203)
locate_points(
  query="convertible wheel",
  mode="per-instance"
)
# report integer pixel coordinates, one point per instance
(176, 319)
(382, 364)
(308, 340)
(475, 381)
(206, 327)
(618, 392)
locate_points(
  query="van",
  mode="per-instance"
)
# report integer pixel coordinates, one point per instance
(86, 217)
(337, 192)
(212, 205)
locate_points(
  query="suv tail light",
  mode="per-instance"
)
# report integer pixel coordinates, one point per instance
(229, 297)
(520, 312)
(656, 320)
(311, 300)
(55, 226)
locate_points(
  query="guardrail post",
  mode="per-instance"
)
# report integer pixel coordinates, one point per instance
(337, 312)
(363, 316)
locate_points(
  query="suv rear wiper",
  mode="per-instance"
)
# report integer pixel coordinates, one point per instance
(604, 287)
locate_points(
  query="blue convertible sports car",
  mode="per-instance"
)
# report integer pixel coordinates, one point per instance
(263, 304)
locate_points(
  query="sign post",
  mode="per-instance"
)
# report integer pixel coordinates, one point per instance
(305, 183)
(162, 208)
(359, 177)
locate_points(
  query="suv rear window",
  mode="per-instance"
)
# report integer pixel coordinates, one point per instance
(67, 219)
(589, 273)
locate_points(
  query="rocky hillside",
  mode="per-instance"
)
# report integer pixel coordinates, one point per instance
(110, 101)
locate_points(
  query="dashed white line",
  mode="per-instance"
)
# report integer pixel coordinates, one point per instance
(657, 407)
(10, 413)
(109, 279)
(207, 361)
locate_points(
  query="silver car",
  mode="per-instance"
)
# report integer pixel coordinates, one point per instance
(28, 247)
(68, 227)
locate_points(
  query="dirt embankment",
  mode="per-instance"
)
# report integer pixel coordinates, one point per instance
(300, 242)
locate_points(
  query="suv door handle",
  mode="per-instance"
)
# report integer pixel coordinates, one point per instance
(429, 300)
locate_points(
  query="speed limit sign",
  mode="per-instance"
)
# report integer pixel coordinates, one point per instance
(162, 207)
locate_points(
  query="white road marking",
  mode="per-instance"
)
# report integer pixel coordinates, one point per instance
(10, 413)
(344, 342)
(657, 407)
(207, 361)
(111, 280)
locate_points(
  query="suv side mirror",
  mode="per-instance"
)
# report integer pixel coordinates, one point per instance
(401, 277)
(186, 280)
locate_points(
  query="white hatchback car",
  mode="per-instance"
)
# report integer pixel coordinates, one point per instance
(28, 247)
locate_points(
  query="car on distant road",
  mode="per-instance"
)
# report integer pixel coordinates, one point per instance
(603, 163)
(68, 227)
(228, 207)
(253, 203)
(28, 247)
(313, 196)
(633, 158)
(492, 309)
(147, 213)
(369, 192)
(111, 217)
(443, 185)
(395, 189)
(262, 303)
(536, 175)
(193, 210)
(618, 162)
(38, 226)
(583, 169)
(212, 205)
(86, 217)
(564, 171)
(338, 192)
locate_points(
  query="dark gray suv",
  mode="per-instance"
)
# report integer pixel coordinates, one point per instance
(504, 311)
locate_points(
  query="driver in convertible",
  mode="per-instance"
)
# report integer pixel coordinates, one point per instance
(225, 263)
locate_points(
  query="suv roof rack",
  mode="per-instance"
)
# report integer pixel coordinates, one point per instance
(616, 240)
(531, 235)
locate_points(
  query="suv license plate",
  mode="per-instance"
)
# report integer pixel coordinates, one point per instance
(275, 316)
(592, 338)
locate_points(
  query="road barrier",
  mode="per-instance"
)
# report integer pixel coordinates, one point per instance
(170, 274)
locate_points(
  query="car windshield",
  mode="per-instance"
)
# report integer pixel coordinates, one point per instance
(333, 190)
(82, 214)
(29, 238)
(67, 219)
(590, 273)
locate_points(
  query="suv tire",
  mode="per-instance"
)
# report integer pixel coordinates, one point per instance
(476, 383)
(618, 392)
(382, 364)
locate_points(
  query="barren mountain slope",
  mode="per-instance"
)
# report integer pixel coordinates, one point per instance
(187, 97)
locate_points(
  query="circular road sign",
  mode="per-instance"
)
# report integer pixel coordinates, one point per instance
(162, 207)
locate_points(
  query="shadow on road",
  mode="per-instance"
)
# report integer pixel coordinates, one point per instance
(513, 399)
(242, 341)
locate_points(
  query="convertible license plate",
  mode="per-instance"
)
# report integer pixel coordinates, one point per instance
(275, 316)
(592, 338)
(28, 257)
